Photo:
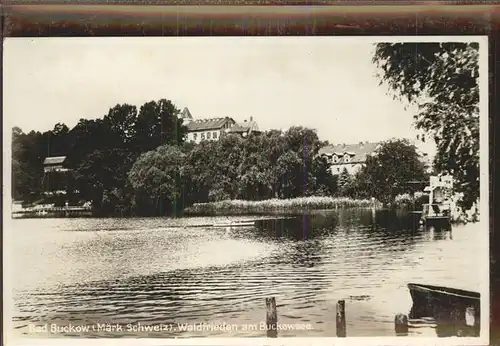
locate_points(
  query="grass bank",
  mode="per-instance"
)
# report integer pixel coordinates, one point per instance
(276, 206)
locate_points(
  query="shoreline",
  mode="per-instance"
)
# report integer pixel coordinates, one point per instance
(277, 206)
(292, 206)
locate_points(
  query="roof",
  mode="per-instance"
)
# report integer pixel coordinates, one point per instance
(238, 128)
(358, 152)
(186, 114)
(244, 127)
(54, 160)
(208, 124)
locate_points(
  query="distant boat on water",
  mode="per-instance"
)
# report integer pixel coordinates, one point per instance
(234, 223)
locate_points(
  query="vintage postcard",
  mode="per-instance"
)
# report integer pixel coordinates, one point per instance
(283, 190)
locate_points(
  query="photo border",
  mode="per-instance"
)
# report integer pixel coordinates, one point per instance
(230, 18)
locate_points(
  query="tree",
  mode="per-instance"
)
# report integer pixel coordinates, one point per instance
(255, 174)
(388, 171)
(120, 122)
(58, 140)
(157, 179)
(101, 172)
(442, 79)
(198, 170)
(20, 175)
(86, 137)
(225, 167)
(304, 144)
(158, 124)
(28, 152)
(326, 184)
(344, 183)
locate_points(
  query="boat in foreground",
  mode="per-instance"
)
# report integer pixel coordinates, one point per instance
(455, 311)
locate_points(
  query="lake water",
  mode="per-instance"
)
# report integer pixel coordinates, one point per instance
(165, 272)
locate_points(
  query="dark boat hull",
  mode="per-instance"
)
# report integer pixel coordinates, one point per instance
(437, 222)
(457, 312)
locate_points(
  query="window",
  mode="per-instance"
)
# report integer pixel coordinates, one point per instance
(335, 159)
(202, 135)
(195, 136)
(346, 158)
(214, 135)
(208, 135)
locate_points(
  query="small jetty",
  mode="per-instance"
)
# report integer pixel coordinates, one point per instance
(52, 212)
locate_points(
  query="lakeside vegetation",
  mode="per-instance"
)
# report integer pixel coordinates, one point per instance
(277, 206)
(135, 161)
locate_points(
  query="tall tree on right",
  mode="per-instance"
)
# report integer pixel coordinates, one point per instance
(442, 79)
(388, 171)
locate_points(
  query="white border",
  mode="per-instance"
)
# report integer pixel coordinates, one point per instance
(484, 225)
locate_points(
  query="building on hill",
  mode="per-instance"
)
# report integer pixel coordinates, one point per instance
(352, 157)
(213, 128)
(56, 175)
(208, 129)
(245, 128)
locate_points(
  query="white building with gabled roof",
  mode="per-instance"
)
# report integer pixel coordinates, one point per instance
(208, 129)
(213, 128)
(348, 156)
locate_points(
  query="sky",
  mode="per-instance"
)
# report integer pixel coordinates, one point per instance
(325, 83)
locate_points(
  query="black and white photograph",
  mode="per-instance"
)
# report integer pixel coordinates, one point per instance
(169, 188)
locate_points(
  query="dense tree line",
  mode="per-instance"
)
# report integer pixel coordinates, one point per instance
(270, 165)
(137, 163)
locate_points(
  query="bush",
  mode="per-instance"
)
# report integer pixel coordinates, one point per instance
(405, 201)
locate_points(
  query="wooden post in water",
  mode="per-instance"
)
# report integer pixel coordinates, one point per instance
(271, 318)
(341, 327)
(401, 325)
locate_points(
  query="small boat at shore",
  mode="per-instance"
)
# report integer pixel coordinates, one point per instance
(450, 307)
(235, 223)
(437, 212)
(433, 216)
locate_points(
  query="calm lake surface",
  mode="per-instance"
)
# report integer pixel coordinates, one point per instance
(162, 271)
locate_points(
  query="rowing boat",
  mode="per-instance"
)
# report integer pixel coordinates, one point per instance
(449, 306)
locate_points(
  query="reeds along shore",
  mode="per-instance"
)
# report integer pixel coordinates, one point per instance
(281, 206)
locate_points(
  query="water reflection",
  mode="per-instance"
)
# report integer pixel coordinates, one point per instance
(178, 271)
(299, 228)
